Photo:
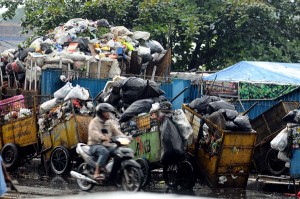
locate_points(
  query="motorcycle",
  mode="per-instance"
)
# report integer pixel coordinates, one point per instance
(122, 170)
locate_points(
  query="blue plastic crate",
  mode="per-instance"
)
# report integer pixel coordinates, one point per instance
(295, 164)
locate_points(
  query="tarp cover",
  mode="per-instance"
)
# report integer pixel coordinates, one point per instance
(259, 72)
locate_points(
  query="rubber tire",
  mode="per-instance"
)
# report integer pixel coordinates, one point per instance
(65, 159)
(80, 184)
(271, 158)
(136, 177)
(170, 175)
(145, 171)
(10, 156)
(186, 175)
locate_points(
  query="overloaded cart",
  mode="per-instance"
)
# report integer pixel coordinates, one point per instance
(268, 125)
(19, 140)
(38, 127)
(63, 123)
(223, 156)
(157, 144)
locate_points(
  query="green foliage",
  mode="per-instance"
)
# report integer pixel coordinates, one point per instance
(263, 91)
(213, 34)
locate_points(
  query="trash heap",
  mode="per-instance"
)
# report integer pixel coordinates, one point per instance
(76, 44)
(223, 115)
(66, 100)
(289, 138)
(142, 108)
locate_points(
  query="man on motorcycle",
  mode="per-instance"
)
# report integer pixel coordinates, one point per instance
(100, 131)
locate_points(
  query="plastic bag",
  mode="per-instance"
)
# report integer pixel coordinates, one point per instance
(63, 91)
(229, 114)
(154, 46)
(243, 123)
(114, 69)
(200, 104)
(36, 44)
(48, 105)
(184, 127)
(133, 89)
(171, 144)
(78, 93)
(140, 106)
(120, 31)
(280, 141)
(143, 51)
(283, 156)
(152, 89)
(222, 104)
(140, 35)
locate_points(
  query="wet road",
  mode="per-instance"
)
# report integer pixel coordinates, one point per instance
(32, 183)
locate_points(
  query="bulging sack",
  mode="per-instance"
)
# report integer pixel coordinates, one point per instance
(78, 93)
(48, 105)
(63, 91)
(280, 141)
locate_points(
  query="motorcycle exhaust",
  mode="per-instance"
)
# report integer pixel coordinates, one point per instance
(79, 176)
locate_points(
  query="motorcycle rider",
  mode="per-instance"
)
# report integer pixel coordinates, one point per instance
(101, 129)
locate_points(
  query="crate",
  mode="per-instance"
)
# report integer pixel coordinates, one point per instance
(143, 122)
(230, 167)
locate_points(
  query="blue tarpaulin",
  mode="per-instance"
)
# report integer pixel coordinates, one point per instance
(259, 72)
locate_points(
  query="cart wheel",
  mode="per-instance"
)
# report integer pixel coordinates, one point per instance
(170, 175)
(274, 165)
(145, 171)
(186, 175)
(10, 155)
(59, 160)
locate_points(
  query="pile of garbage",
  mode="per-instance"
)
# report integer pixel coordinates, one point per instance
(289, 138)
(142, 108)
(77, 43)
(67, 101)
(223, 115)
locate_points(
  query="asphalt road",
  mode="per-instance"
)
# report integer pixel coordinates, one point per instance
(32, 183)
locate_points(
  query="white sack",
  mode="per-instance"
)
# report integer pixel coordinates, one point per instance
(114, 69)
(78, 93)
(280, 141)
(48, 105)
(63, 91)
(140, 35)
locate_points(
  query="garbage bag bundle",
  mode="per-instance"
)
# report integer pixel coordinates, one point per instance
(221, 104)
(200, 104)
(140, 106)
(243, 123)
(218, 119)
(280, 141)
(229, 114)
(230, 125)
(171, 144)
(184, 127)
(133, 89)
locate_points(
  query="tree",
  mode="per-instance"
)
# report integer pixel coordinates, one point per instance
(213, 34)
